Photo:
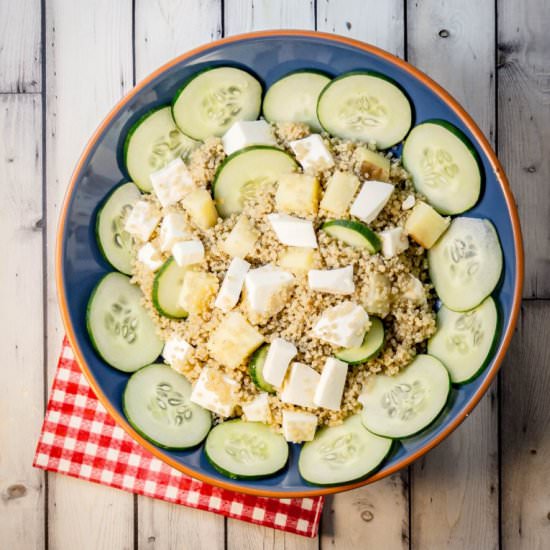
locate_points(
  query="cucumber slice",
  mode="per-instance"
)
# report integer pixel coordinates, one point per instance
(371, 346)
(151, 143)
(113, 241)
(156, 403)
(246, 450)
(403, 405)
(444, 166)
(367, 106)
(342, 454)
(293, 98)
(354, 233)
(119, 327)
(166, 290)
(210, 101)
(241, 173)
(466, 263)
(463, 341)
(256, 369)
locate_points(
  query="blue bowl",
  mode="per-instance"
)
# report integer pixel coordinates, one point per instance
(269, 55)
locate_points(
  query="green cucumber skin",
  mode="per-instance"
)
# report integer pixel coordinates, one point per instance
(96, 225)
(260, 383)
(365, 231)
(144, 435)
(371, 356)
(154, 293)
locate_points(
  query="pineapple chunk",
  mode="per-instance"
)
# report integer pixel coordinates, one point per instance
(298, 194)
(242, 239)
(234, 340)
(198, 291)
(373, 164)
(377, 299)
(341, 188)
(425, 225)
(201, 208)
(297, 259)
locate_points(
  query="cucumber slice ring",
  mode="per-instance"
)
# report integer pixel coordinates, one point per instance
(166, 290)
(370, 348)
(342, 454)
(403, 405)
(366, 106)
(156, 404)
(444, 166)
(256, 368)
(246, 450)
(210, 101)
(353, 233)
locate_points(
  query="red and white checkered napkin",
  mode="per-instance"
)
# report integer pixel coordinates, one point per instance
(80, 439)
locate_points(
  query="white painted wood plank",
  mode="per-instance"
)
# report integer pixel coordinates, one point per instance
(168, 28)
(378, 23)
(89, 67)
(20, 59)
(455, 487)
(376, 515)
(165, 29)
(524, 127)
(525, 443)
(21, 273)
(256, 15)
(246, 536)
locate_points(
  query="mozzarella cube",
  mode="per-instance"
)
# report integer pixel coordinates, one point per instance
(312, 153)
(242, 239)
(176, 351)
(297, 259)
(172, 183)
(173, 229)
(415, 291)
(343, 325)
(257, 410)
(341, 188)
(331, 385)
(232, 285)
(188, 252)
(142, 220)
(215, 391)
(371, 200)
(299, 426)
(293, 231)
(393, 242)
(279, 355)
(247, 132)
(408, 203)
(263, 288)
(150, 256)
(333, 281)
(299, 388)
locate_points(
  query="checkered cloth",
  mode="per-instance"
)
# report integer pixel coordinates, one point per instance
(80, 439)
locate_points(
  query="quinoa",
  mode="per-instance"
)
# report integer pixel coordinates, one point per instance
(407, 324)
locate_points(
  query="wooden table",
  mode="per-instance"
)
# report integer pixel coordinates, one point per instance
(64, 64)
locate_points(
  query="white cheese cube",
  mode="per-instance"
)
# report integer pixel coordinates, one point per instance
(312, 153)
(293, 231)
(393, 241)
(172, 183)
(415, 291)
(150, 257)
(247, 132)
(331, 384)
(342, 325)
(215, 391)
(299, 388)
(408, 203)
(188, 252)
(262, 286)
(279, 356)
(143, 220)
(173, 229)
(299, 426)
(333, 281)
(257, 410)
(371, 200)
(232, 285)
(176, 351)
